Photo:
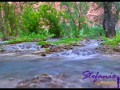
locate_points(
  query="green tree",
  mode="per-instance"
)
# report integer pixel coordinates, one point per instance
(75, 15)
(110, 19)
(9, 20)
(49, 16)
(30, 19)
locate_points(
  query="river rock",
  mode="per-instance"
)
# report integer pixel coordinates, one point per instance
(46, 46)
(41, 81)
(40, 53)
(43, 54)
(56, 83)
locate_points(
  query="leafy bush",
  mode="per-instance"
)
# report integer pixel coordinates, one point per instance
(75, 18)
(94, 31)
(114, 41)
(30, 20)
(49, 16)
(43, 21)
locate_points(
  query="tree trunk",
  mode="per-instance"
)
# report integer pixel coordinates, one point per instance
(108, 21)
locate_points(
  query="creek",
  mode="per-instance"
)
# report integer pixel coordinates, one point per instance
(72, 63)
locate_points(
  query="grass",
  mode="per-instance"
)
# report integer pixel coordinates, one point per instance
(114, 41)
(28, 38)
(41, 39)
(60, 41)
(43, 43)
(20, 39)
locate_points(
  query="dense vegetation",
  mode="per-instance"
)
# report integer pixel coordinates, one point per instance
(25, 22)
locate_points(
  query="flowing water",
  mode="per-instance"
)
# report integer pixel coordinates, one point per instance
(71, 63)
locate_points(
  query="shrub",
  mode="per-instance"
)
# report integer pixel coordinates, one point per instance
(30, 20)
(73, 18)
(114, 41)
(94, 31)
(49, 16)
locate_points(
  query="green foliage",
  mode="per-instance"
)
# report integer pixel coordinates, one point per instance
(67, 41)
(1, 34)
(28, 38)
(30, 20)
(71, 39)
(45, 21)
(117, 9)
(19, 39)
(43, 42)
(61, 41)
(49, 16)
(75, 15)
(95, 31)
(114, 41)
(10, 19)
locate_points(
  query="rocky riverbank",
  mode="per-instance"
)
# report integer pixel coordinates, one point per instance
(107, 49)
(57, 81)
(33, 48)
(43, 81)
(43, 50)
